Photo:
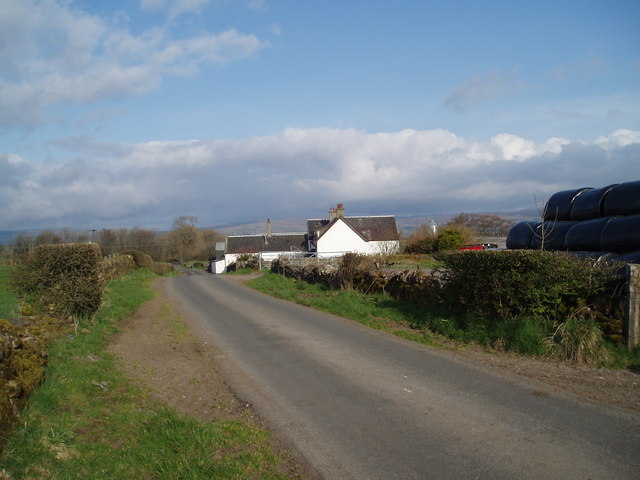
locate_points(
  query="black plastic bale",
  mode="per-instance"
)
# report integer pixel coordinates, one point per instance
(621, 234)
(622, 261)
(520, 235)
(590, 204)
(586, 235)
(623, 199)
(631, 257)
(597, 256)
(558, 207)
(551, 235)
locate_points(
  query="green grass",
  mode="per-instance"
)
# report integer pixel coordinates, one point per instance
(88, 420)
(413, 262)
(8, 302)
(242, 271)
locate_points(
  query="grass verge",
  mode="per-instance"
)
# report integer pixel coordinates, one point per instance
(88, 420)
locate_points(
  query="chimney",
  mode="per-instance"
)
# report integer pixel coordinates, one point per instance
(340, 210)
(332, 213)
(268, 227)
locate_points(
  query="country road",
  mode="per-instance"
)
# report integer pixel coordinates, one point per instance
(358, 403)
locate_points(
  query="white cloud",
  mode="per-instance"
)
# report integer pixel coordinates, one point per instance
(51, 53)
(301, 172)
(619, 138)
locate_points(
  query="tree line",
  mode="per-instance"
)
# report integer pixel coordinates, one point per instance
(183, 243)
(465, 228)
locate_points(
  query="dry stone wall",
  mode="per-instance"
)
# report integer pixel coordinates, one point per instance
(415, 286)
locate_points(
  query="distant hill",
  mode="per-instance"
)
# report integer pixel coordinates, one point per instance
(405, 224)
(278, 225)
(7, 236)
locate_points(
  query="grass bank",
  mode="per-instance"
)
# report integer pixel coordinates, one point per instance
(88, 420)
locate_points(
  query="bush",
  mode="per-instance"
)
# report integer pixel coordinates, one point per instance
(350, 264)
(118, 266)
(62, 279)
(246, 261)
(449, 239)
(142, 260)
(420, 245)
(523, 283)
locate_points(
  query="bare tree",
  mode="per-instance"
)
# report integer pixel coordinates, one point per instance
(108, 241)
(484, 224)
(47, 237)
(546, 226)
(208, 244)
(183, 240)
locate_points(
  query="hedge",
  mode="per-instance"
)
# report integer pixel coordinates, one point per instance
(62, 279)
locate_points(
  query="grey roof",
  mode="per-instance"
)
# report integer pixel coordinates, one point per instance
(371, 229)
(278, 242)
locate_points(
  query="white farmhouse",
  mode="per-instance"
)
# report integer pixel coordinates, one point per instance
(339, 234)
(325, 238)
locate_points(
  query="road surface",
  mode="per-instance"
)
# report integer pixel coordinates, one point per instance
(362, 404)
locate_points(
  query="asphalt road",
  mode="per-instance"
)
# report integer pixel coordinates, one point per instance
(363, 404)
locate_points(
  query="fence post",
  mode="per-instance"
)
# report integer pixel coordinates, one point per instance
(632, 314)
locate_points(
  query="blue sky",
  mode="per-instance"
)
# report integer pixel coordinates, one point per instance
(125, 113)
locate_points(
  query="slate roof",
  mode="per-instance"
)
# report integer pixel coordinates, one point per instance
(277, 242)
(371, 229)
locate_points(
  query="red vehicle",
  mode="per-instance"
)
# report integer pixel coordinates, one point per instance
(479, 246)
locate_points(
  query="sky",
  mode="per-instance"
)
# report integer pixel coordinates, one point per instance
(132, 113)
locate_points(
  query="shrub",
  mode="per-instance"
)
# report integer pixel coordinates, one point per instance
(522, 283)
(63, 279)
(142, 260)
(350, 264)
(422, 240)
(247, 261)
(449, 239)
(118, 266)
(419, 246)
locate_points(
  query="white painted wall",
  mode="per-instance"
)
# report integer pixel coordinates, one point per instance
(230, 258)
(340, 239)
(389, 247)
(218, 266)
